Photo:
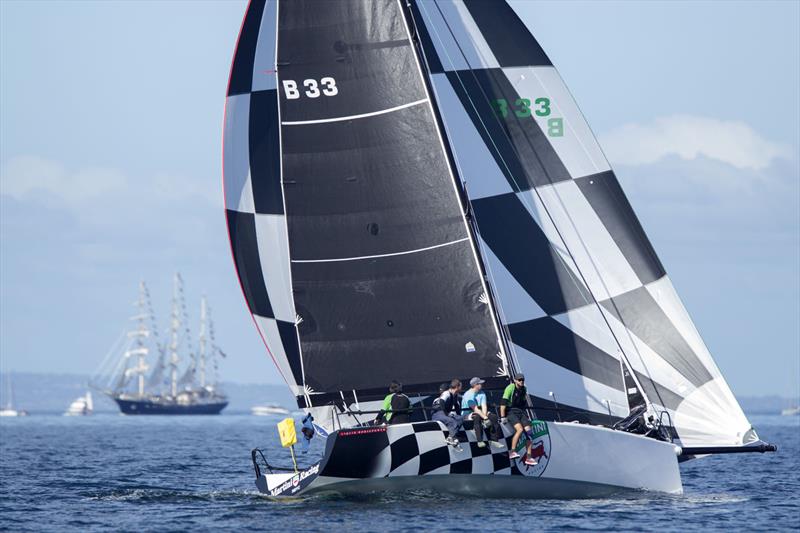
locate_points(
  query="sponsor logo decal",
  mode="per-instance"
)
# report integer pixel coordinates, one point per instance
(540, 450)
(361, 431)
(294, 482)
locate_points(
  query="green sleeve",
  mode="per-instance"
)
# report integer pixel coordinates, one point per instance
(387, 406)
(508, 394)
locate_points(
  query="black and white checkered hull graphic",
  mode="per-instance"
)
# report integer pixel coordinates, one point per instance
(574, 461)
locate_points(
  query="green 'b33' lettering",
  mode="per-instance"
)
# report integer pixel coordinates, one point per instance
(500, 107)
(543, 107)
(522, 109)
(555, 127)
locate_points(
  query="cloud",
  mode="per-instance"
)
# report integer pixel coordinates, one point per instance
(25, 177)
(690, 137)
(105, 218)
(33, 179)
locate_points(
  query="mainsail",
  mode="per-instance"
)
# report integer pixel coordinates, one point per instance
(346, 225)
(379, 160)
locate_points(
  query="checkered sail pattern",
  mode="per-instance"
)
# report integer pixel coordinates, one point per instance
(253, 194)
(580, 289)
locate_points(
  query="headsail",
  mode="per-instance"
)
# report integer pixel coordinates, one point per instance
(582, 293)
(346, 225)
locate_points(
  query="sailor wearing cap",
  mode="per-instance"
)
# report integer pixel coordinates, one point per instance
(474, 406)
(513, 408)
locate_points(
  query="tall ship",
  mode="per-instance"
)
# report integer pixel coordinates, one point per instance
(412, 196)
(147, 376)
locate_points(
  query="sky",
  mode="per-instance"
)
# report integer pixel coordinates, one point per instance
(110, 168)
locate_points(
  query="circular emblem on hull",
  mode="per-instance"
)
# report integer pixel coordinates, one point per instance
(540, 450)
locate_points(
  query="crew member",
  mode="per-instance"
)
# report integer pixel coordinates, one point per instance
(474, 406)
(396, 407)
(513, 408)
(446, 410)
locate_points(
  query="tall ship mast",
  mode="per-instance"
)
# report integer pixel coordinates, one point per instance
(171, 386)
(412, 195)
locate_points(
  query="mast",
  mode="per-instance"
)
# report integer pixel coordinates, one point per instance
(214, 349)
(139, 335)
(10, 399)
(156, 375)
(173, 346)
(203, 342)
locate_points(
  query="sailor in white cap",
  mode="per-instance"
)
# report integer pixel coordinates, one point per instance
(475, 407)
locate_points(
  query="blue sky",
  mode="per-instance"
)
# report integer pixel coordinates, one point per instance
(110, 129)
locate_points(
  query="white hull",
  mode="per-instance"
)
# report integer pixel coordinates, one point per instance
(268, 410)
(9, 412)
(82, 406)
(579, 461)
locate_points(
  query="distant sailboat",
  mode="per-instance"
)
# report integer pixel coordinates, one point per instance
(9, 410)
(270, 409)
(81, 406)
(165, 390)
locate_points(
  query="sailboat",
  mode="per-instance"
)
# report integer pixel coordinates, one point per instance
(9, 410)
(166, 389)
(81, 406)
(412, 194)
(270, 409)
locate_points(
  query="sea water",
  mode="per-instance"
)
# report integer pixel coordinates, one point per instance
(110, 472)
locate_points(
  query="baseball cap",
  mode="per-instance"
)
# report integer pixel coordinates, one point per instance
(475, 381)
(520, 377)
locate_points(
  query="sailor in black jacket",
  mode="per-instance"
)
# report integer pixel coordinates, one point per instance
(446, 410)
(396, 406)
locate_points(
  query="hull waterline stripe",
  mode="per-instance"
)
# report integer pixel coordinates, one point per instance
(352, 117)
(379, 255)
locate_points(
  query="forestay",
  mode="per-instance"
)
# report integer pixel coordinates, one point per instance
(580, 289)
(346, 226)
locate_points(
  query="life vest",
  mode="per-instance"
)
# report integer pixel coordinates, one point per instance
(399, 404)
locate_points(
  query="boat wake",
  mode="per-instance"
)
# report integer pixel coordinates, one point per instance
(170, 495)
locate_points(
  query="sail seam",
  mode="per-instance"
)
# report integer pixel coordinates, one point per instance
(353, 117)
(356, 258)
